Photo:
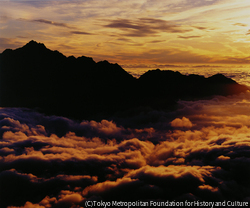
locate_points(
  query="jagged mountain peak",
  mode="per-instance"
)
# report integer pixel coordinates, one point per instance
(35, 45)
(30, 47)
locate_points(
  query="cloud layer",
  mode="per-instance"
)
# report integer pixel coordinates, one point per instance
(199, 152)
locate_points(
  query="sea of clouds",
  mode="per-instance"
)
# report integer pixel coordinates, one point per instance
(201, 151)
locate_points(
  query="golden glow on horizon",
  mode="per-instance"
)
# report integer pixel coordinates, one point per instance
(133, 32)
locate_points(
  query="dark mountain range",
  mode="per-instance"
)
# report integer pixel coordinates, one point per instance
(36, 77)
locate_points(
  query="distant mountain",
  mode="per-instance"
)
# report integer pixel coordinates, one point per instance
(37, 77)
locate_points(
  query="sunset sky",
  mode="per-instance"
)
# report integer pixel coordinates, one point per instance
(132, 140)
(132, 31)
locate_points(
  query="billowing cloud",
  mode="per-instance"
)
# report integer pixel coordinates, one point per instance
(50, 161)
(184, 122)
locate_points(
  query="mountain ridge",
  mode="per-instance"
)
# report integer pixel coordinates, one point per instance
(36, 77)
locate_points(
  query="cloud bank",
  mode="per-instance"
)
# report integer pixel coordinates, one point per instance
(199, 152)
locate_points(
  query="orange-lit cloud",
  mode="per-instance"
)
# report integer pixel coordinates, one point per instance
(43, 164)
(184, 122)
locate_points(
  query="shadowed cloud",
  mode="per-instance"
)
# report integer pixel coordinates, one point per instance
(53, 23)
(80, 33)
(143, 27)
(200, 28)
(59, 24)
(240, 24)
(189, 37)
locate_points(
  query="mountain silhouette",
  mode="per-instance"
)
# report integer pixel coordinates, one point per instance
(36, 77)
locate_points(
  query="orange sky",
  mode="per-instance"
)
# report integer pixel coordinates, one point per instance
(132, 31)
